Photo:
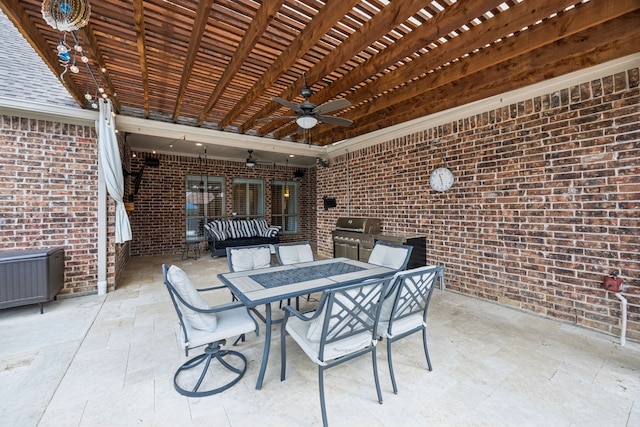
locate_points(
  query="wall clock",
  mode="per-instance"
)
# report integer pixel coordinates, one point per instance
(441, 179)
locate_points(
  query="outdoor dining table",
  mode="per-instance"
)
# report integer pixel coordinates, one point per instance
(268, 285)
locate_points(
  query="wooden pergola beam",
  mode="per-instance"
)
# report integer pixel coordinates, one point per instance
(138, 7)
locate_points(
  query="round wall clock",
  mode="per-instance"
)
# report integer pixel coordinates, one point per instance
(441, 179)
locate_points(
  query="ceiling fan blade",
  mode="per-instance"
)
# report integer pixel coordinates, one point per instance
(288, 104)
(336, 104)
(339, 121)
(266, 119)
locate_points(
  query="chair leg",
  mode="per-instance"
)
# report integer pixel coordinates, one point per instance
(240, 338)
(283, 353)
(426, 350)
(375, 374)
(323, 407)
(212, 353)
(393, 377)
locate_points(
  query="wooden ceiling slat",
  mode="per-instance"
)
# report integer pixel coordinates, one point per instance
(523, 14)
(379, 25)
(451, 18)
(264, 16)
(327, 16)
(589, 15)
(200, 24)
(138, 8)
(587, 48)
(218, 63)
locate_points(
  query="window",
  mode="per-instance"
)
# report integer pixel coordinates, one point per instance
(248, 198)
(284, 205)
(204, 203)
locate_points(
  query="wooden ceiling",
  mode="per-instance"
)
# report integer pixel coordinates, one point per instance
(218, 63)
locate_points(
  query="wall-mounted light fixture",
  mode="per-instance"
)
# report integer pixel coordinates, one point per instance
(250, 162)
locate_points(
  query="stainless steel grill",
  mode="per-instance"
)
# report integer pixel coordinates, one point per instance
(354, 237)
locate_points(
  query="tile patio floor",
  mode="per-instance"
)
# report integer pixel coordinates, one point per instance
(109, 361)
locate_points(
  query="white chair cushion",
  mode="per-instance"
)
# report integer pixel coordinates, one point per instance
(387, 305)
(292, 254)
(185, 288)
(401, 326)
(236, 321)
(250, 258)
(388, 256)
(298, 330)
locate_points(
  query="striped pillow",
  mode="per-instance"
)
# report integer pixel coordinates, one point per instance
(240, 229)
(271, 231)
(261, 225)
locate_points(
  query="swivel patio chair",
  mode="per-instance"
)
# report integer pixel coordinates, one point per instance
(342, 328)
(404, 310)
(294, 253)
(203, 325)
(390, 255)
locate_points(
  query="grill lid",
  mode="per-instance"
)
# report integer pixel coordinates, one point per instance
(358, 225)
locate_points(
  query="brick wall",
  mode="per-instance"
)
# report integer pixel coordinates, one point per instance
(546, 200)
(158, 221)
(48, 187)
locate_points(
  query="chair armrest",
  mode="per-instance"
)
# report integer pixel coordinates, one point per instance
(303, 316)
(212, 288)
(216, 309)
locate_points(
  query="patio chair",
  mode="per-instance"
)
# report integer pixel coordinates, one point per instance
(241, 258)
(390, 255)
(404, 310)
(342, 328)
(293, 253)
(203, 325)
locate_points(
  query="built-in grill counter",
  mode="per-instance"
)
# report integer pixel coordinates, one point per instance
(417, 241)
(353, 237)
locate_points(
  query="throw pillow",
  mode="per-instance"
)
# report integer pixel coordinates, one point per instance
(271, 231)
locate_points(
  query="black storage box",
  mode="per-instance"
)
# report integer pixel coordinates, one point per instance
(31, 276)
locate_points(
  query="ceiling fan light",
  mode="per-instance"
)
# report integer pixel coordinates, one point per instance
(306, 122)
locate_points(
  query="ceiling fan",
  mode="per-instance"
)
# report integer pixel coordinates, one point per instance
(309, 114)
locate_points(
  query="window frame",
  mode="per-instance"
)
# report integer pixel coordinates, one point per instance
(203, 215)
(247, 182)
(283, 219)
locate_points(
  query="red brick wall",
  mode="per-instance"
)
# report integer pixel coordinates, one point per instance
(48, 187)
(158, 221)
(546, 200)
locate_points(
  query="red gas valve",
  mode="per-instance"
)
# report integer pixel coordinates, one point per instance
(612, 282)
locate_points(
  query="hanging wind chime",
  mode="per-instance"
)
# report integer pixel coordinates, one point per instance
(68, 16)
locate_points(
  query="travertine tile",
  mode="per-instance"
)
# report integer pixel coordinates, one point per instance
(109, 361)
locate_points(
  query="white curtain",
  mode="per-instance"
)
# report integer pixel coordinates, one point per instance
(112, 168)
